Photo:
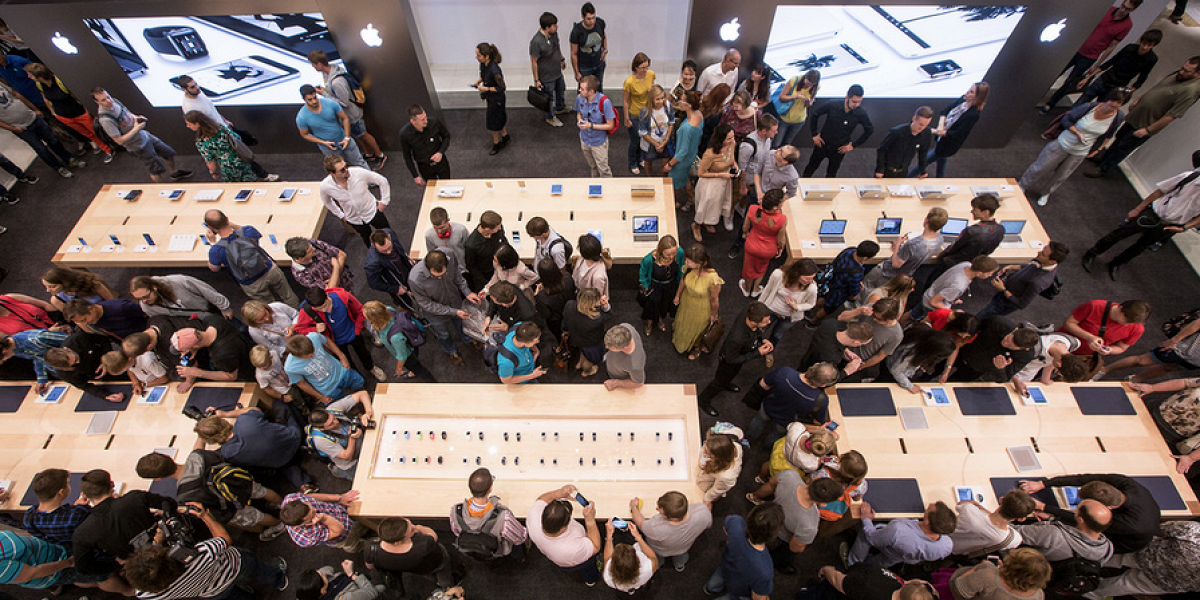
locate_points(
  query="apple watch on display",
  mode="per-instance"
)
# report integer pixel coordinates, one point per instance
(176, 40)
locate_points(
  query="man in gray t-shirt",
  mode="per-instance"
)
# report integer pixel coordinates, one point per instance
(676, 526)
(909, 254)
(129, 130)
(546, 58)
(884, 318)
(625, 359)
(801, 517)
(947, 289)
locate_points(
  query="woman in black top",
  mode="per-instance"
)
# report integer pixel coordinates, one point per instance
(586, 324)
(67, 108)
(406, 548)
(961, 116)
(491, 88)
(553, 293)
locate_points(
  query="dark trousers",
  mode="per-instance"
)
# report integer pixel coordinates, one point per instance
(828, 151)
(12, 169)
(253, 571)
(586, 569)
(1078, 65)
(359, 345)
(724, 376)
(430, 171)
(740, 217)
(41, 138)
(379, 221)
(1124, 143)
(1180, 7)
(1148, 237)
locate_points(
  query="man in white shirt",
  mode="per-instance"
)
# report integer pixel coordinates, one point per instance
(1174, 206)
(346, 194)
(195, 99)
(725, 72)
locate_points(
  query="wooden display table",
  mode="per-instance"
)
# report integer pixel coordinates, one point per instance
(612, 213)
(43, 436)
(805, 216)
(960, 450)
(161, 217)
(647, 442)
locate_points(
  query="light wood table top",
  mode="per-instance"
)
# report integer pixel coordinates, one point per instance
(42, 436)
(805, 216)
(161, 217)
(474, 404)
(960, 450)
(612, 213)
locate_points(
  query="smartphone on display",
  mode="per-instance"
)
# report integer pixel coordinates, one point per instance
(204, 238)
(114, 240)
(832, 425)
(581, 500)
(287, 194)
(239, 76)
(913, 31)
(243, 194)
(149, 240)
(516, 237)
(175, 194)
(271, 236)
(941, 69)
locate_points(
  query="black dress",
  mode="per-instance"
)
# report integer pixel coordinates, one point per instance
(492, 77)
(660, 301)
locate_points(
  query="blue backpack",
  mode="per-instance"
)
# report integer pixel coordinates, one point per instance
(357, 95)
(412, 329)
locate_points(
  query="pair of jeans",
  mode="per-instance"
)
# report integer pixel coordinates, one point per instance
(253, 571)
(598, 71)
(350, 153)
(782, 325)
(762, 426)
(586, 569)
(1078, 65)
(558, 96)
(442, 328)
(716, 585)
(1148, 237)
(932, 159)
(41, 138)
(998, 307)
(12, 169)
(787, 134)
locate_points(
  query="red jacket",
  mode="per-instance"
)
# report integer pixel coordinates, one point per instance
(305, 322)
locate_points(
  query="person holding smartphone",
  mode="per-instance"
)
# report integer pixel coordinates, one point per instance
(324, 123)
(571, 546)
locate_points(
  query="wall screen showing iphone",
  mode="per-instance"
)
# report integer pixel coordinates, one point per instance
(893, 51)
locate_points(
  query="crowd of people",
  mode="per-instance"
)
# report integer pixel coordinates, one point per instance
(729, 146)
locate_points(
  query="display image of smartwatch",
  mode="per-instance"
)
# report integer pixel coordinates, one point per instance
(176, 40)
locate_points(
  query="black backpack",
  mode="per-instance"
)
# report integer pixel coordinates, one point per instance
(479, 544)
(568, 249)
(245, 258)
(221, 488)
(753, 150)
(494, 349)
(1073, 577)
(103, 135)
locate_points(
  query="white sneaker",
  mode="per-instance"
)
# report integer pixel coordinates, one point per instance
(271, 177)
(95, 148)
(1044, 200)
(65, 172)
(272, 532)
(378, 374)
(555, 122)
(729, 224)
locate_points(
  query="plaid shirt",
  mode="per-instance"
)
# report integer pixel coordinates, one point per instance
(312, 535)
(846, 280)
(57, 526)
(316, 273)
(32, 345)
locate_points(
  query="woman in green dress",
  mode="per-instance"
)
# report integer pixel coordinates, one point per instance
(698, 298)
(215, 144)
(687, 143)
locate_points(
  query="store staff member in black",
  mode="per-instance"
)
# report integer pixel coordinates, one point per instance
(745, 342)
(896, 151)
(424, 142)
(833, 142)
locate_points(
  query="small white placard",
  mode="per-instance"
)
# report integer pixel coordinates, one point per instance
(73, 248)
(108, 247)
(260, 192)
(1036, 244)
(121, 193)
(808, 244)
(102, 422)
(141, 248)
(167, 451)
(913, 418)
(304, 191)
(952, 189)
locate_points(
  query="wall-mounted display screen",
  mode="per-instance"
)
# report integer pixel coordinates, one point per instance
(893, 51)
(241, 59)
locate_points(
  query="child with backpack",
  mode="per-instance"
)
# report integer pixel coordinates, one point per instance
(400, 333)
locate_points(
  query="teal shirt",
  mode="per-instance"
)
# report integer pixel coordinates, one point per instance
(18, 552)
(687, 143)
(647, 269)
(396, 343)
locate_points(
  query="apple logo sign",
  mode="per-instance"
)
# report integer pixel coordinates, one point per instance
(62, 43)
(370, 36)
(1052, 31)
(731, 31)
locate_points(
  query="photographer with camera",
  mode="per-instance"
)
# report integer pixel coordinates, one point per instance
(334, 432)
(206, 478)
(215, 570)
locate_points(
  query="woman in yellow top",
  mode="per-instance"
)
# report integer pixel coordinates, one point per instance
(636, 93)
(698, 299)
(715, 182)
(800, 91)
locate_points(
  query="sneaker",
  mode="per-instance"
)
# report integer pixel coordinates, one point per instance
(309, 488)
(734, 251)
(382, 161)
(282, 566)
(680, 568)
(271, 177)
(844, 553)
(65, 172)
(1043, 200)
(95, 148)
(27, 178)
(564, 111)
(753, 500)
(109, 158)
(271, 533)
(554, 122)
(181, 174)
(378, 374)
(590, 583)
(635, 170)
(76, 163)
(10, 200)
(742, 288)
(375, 342)
(1043, 109)
(728, 224)
(3, 230)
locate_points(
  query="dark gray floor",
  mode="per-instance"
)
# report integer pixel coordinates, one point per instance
(1081, 211)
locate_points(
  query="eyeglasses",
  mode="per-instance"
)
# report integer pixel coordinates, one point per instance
(344, 169)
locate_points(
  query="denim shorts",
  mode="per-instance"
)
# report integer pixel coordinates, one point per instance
(358, 128)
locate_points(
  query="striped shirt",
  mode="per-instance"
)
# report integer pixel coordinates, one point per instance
(19, 551)
(311, 535)
(209, 574)
(32, 345)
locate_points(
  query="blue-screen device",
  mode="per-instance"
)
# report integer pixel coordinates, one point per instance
(647, 224)
(596, 233)
(594, 190)
(939, 396)
(204, 238)
(1012, 227)
(287, 194)
(273, 239)
(954, 226)
(887, 226)
(1038, 396)
(243, 194)
(556, 189)
(580, 499)
(149, 240)
(114, 239)
(82, 242)
(832, 227)
(619, 523)
(175, 194)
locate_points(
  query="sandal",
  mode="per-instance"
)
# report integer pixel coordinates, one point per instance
(759, 480)
(648, 329)
(694, 355)
(687, 207)
(592, 371)
(753, 500)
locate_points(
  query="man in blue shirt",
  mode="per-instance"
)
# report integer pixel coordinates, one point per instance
(317, 366)
(595, 117)
(32, 345)
(746, 570)
(516, 361)
(786, 395)
(324, 123)
(255, 272)
(12, 70)
(905, 541)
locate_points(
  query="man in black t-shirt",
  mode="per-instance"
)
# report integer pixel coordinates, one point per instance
(832, 342)
(872, 582)
(215, 349)
(407, 548)
(999, 352)
(480, 249)
(589, 46)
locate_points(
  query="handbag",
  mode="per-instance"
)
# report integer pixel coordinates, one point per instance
(538, 98)
(782, 107)
(243, 151)
(1175, 324)
(562, 353)
(246, 136)
(711, 338)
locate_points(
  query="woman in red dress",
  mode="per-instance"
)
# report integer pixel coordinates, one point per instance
(764, 240)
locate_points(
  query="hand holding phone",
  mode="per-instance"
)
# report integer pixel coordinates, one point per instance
(581, 500)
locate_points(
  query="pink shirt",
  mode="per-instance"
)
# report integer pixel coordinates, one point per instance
(568, 549)
(1104, 34)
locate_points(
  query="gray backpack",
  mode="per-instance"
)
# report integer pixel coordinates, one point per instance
(245, 258)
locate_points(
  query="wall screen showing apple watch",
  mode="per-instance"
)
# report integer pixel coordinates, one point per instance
(236, 59)
(893, 51)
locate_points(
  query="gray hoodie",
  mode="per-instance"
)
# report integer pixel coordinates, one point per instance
(337, 88)
(1058, 541)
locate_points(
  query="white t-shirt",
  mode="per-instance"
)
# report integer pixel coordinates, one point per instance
(147, 367)
(202, 104)
(567, 549)
(645, 572)
(975, 533)
(1043, 359)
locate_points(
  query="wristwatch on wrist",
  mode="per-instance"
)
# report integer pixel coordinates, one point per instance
(176, 41)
